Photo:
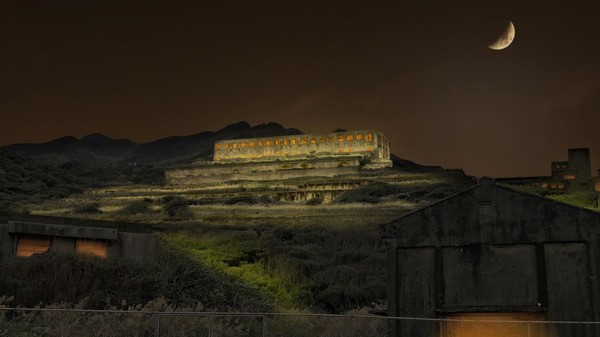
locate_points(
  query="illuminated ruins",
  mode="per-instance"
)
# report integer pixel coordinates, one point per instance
(291, 156)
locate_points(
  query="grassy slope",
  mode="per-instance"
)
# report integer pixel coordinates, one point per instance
(326, 257)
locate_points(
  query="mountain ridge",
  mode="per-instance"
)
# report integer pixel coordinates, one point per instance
(99, 150)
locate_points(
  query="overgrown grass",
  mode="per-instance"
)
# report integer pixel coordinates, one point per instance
(310, 267)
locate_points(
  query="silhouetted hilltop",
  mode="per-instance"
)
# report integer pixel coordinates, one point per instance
(98, 149)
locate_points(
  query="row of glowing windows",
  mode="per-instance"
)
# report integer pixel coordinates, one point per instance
(340, 138)
(278, 154)
(29, 247)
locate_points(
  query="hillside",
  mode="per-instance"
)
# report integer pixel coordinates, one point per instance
(323, 257)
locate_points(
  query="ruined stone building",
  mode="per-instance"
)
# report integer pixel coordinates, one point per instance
(23, 236)
(576, 173)
(284, 157)
(494, 250)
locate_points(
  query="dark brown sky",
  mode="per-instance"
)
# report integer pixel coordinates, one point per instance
(420, 73)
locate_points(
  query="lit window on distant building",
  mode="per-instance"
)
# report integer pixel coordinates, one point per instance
(251, 144)
(349, 138)
(28, 247)
(369, 137)
(313, 141)
(322, 140)
(235, 146)
(370, 149)
(268, 143)
(340, 150)
(331, 139)
(569, 176)
(359, 136)
(303, 140)
(218, 146)
(278, 142)
(243, 144)
(226, 146)
(277, 154)
(294, 141)
(260, 143)
(350, 150)
(286, 142)
(340, 138)
(89, 247)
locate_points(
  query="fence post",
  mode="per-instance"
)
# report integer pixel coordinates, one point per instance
(157, 326)
(528, 329)
(264, 325)
(441, 328)
(210, 328)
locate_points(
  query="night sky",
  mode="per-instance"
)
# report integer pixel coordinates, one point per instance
(418, 71)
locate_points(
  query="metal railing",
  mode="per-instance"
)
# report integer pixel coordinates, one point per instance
(29, 322)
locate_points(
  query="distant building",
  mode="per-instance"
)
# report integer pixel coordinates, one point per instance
(26, 237)
(492, 250)
(283, 157)
(565, 175)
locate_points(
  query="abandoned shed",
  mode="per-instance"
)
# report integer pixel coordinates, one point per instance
(24, 235)
(494, 250)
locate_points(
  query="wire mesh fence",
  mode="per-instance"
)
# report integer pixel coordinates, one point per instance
(135, 323)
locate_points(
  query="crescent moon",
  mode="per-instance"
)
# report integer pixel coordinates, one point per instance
(505, 39)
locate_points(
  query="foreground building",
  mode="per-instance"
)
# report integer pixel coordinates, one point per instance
(494, 250)
(24, 236)
(284, 157)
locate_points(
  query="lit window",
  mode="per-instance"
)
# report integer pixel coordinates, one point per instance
(251, 156)
(294, 141)
(243, 144)
(340, 150)
(95, 248)
(226, 146)
(218, 146)
(370, 149)
(28, 247)
(277, 154)
(313, 141)
(268, 143)
(278, 142)
(260, 143)
(303, 140)
(286, 142)
(359, 136)
(569, 176)
(369, 137)
(322, 140)
(259, 155)
(235, 146)
(349, 138)
(349, 150)
(218, 158)
(251, 144)
(331, 139)
(340, 138)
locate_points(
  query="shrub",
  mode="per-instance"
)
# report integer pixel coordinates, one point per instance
(87, 209)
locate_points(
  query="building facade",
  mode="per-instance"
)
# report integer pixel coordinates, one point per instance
(492, 250)
(290, 156)
(369, 143)
(24, 238)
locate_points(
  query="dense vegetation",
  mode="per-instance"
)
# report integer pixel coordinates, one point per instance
(95, 283)
(27, 181)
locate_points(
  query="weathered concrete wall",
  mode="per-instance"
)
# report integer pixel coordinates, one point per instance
(368, 142)
(140, 247)
(579, 161)
(62, 245)
(6, 242)
(262, 171)
(496, 250)
(62, 231)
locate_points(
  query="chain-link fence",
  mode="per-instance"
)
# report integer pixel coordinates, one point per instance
(135, 323)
